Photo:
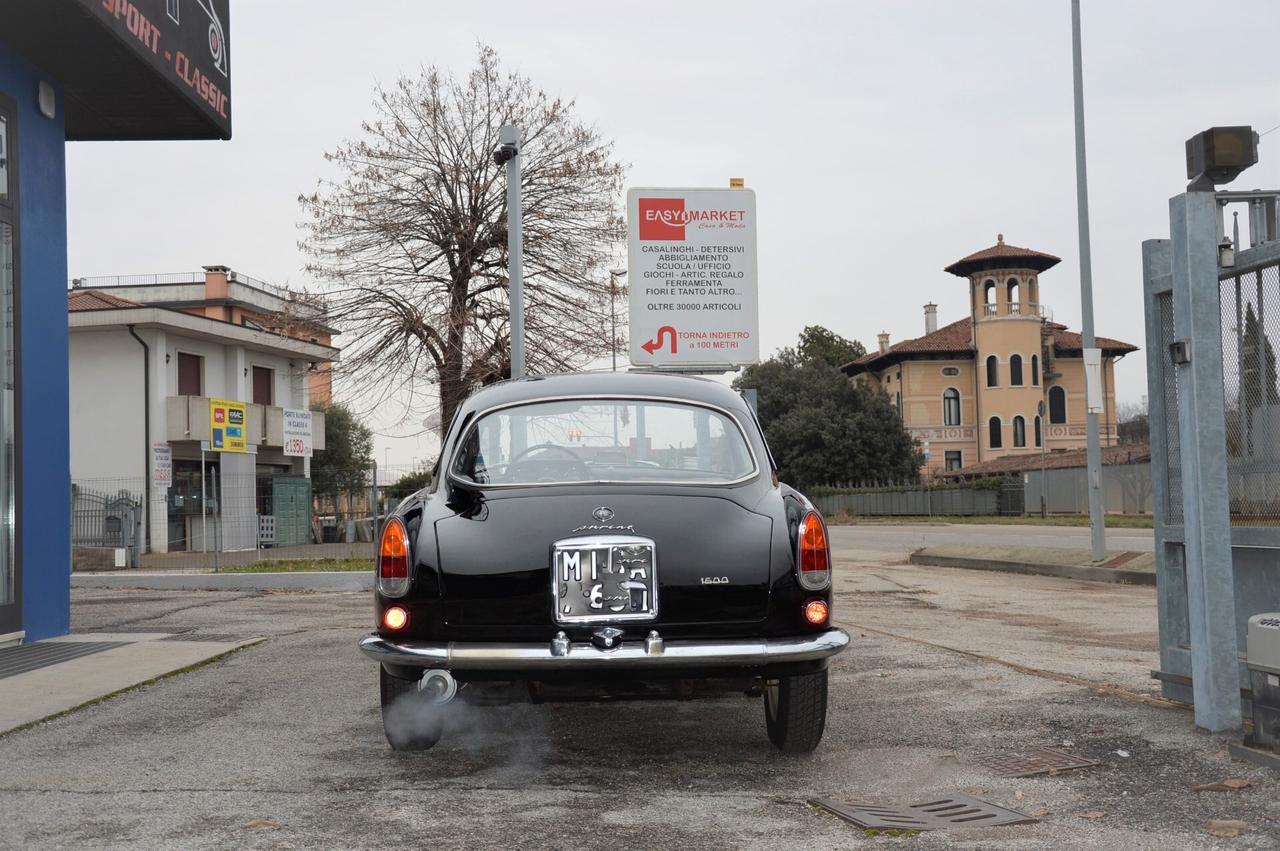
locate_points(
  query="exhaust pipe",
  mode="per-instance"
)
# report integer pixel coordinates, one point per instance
(438, 686)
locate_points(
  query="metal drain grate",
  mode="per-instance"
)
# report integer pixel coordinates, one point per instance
(207, 636)
(1033, 761)
(31, 657)
(953, 812)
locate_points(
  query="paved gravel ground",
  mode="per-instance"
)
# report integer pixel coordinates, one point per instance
(280, 745)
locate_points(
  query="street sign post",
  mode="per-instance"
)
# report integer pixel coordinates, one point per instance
(691, 259)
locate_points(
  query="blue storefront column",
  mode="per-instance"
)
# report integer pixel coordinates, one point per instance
(43, 534)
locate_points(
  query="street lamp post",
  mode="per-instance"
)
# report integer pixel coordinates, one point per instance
(614, 275)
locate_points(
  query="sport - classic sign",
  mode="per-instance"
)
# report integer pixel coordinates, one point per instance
(691, 261)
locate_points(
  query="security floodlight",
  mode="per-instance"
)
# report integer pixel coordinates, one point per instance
(1219, 154)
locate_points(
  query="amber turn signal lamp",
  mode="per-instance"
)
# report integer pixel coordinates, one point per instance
(393, 559)
(395, 618)
(813, 555)
(815, 612)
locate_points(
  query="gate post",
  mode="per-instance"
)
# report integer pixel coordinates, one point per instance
(1193, 220)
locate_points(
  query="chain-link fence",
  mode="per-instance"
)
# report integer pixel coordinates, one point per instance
(205, 518)
(1250, 304)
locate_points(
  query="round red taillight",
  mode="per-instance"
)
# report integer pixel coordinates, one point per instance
(395, 618)
(816, 612)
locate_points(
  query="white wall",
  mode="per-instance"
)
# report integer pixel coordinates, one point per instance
(107, 435)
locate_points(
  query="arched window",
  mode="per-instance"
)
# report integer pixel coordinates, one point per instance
(1035, 370)
(988, 291)
(1015, 370)
(1015, 296)
(1057, 405)
(994, 439)
(1037, 430)
(993, 371)
(951, 407)
(1019, 432)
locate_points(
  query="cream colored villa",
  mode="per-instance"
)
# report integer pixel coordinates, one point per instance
(1004, 380)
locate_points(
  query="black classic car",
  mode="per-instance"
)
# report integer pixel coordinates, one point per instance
(604, 536)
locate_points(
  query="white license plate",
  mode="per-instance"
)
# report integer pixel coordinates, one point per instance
(606, 578)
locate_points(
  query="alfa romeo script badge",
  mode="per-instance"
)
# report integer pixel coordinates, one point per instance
(603, 514)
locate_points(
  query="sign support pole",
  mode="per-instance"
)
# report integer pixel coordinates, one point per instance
(1097, 521)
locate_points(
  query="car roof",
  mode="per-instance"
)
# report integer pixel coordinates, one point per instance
(532, 388)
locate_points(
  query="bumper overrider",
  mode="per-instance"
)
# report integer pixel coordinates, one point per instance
(561, 654)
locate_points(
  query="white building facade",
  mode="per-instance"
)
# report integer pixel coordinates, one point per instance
(141, 378)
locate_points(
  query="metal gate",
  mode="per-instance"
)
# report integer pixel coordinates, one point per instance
(291, 507)
(1215, 443)
(102, 520)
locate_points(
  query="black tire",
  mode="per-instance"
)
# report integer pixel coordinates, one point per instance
(795, 711)
(409, 720)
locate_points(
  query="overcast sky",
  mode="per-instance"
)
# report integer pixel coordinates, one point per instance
(883, 140)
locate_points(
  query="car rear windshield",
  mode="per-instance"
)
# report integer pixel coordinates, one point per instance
(604, 440)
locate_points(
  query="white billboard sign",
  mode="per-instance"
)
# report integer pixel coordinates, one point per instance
(691, 261)
(162, 465)
(297, 433)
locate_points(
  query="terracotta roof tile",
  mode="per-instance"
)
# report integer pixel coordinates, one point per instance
(1003, 256)
(96, 300)
(954, 339)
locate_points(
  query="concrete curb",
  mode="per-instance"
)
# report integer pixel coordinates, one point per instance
(1086, 572)
(335, 580)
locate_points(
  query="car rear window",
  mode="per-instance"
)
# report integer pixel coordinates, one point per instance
(604, 440)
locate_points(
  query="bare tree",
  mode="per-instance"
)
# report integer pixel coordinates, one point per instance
(411, 239)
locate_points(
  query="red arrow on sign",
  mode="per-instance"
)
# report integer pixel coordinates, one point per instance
(653, 345)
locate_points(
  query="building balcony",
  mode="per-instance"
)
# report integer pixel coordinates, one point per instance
(187, 419)
(1017, 308)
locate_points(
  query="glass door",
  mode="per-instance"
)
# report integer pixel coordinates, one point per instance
(10, 575)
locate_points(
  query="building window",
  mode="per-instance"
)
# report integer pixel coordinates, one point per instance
(1015, 370)
(264, 381)
(899, 403)
(190, 374)
(1019, 432)
(993, 371)
(951, 370)
(1035, 370)
(994, 438)
(954, 460)
(1057, 405)
(1037, 430)
(951, 407)
(1015, 295)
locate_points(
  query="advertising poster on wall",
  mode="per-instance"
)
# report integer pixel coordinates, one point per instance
(297, 433)
(227, 426)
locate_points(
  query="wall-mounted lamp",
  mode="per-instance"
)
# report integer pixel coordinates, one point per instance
(1226, 253)
(46, 100)
(166, 357)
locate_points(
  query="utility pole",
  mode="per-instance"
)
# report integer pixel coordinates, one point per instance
(508, 154)
(1097, 521)
(614, 274)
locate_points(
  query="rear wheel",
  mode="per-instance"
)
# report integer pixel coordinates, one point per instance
(795, 711)
(410, 720)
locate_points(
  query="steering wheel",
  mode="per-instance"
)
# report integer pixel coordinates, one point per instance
(546, 471)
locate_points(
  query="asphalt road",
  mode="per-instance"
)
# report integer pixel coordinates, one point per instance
(280, 745)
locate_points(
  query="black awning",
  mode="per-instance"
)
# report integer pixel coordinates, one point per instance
(130, 69)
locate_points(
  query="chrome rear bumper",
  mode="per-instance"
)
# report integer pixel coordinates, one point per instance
(638, 655)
